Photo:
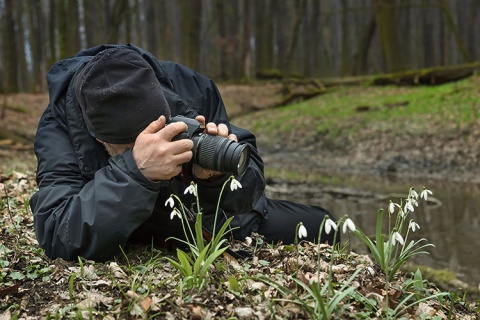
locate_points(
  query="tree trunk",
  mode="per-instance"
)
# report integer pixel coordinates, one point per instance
(246, 54)
(387, 32)
(116, 17)
(36, 39)
(62, 30)
(71, 21)
(191, 26)
(94, 22)
(151, 27)
(222, 39)
(10, 54)
(360, 64)
(52, 39)
(23, 77)
(300, 13)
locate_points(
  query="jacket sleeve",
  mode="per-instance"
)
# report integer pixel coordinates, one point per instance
(75, 216)
(202, 94)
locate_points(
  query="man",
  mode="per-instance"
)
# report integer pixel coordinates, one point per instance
(107, 162)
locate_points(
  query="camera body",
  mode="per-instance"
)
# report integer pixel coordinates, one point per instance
(214, 152)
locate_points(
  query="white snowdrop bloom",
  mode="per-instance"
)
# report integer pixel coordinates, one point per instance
(329, 224)
(392, 205)
(235, 184)
(425, 193)
(175, 213)
(191, 189)
(348, 224)
(413, 225)
(397, 237)
(170, 202)
(302, 231)
(408, 207)
(414, 194)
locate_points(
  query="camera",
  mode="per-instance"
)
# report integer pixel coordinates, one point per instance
(214, 152)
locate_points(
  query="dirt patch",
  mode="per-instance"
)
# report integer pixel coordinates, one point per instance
(243, 99)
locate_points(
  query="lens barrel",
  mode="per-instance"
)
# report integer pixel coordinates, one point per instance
(220, 154)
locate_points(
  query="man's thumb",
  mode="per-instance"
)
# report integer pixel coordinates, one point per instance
(156, 125)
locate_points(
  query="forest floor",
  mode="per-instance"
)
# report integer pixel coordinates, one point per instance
(141, 285)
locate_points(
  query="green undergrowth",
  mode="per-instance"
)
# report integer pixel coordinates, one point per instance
(350, 110)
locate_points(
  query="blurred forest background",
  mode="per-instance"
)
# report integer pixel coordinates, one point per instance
(242, 39)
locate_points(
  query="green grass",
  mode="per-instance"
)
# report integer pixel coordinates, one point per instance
(335, 114)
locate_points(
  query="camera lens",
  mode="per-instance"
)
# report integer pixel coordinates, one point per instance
(220, 154)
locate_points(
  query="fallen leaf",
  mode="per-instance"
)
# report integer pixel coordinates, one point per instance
(9, 290)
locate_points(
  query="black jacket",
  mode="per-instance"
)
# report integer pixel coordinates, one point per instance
(90, 204)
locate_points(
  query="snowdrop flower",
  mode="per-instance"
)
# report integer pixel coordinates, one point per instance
(235, 184)
(392, 205)
(414, 194)
(424, 194)
(408, 207)
(191, 189)
(175, 213)
(413, 225)
(348, 224)
(329, 224)
(397, 237)
(302, 231)
(170, 202)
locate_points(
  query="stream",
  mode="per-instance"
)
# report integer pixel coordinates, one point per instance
(450, 221)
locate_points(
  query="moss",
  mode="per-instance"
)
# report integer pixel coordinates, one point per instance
(446, 280)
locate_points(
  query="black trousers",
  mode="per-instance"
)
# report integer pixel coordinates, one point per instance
(279, 222)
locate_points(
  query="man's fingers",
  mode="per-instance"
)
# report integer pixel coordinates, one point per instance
(173, 129)
(233, 137)
(155, 126)
(222, 130)
(200, 119)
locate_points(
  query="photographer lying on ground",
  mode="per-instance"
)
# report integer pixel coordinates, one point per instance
(107, 162)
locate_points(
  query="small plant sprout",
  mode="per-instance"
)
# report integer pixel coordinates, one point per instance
(195, 265)
(413, 225)
(235, 184)
(329, 225)
(425, 193)
(302, 231)
(387, 254)
(348, 225)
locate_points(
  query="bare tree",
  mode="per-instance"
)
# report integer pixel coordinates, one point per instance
(37, 40)
(115, 17)
(387, 31)
(246, 57)
(10, 53)
(93, 21)
(235, 39)
(293, 38)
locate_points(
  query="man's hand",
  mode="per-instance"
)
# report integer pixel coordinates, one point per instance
(213, 129)
(156, 155)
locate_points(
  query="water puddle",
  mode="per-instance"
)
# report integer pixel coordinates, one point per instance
(451, 221)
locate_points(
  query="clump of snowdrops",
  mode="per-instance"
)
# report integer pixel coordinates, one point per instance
(195, 264)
